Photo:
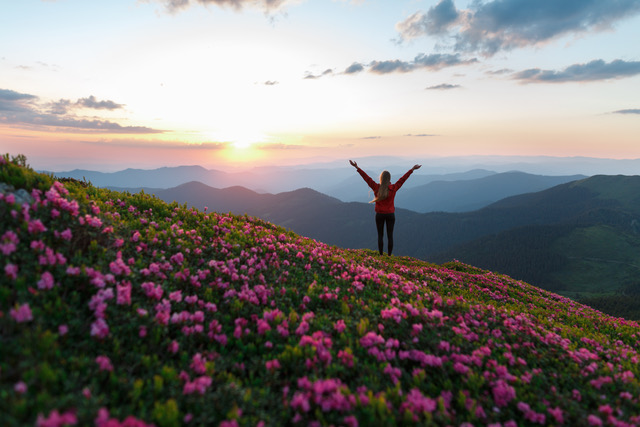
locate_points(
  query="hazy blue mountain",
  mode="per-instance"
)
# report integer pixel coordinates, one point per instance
(334, 177)
(454, 192)
(473, 194)
(354, 189)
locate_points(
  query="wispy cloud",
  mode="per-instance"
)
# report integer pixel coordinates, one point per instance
(266, 5)
(591, 71)
(420, 135)
(354, 68)
(435, 61)
(628, 111)
(64, 106)
(310, 76)
(443, 86)
(12, 101)
(24, 109)
(431, 62)
(148, 143)
(492, 26)
(371, 137)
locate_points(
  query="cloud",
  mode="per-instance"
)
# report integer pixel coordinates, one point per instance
(311, 76)
(628, 111)
(488, 27)
(434, 61)
(354, 68)
(11, 100)
(83, 125)
(371, 137)
(499, 72)
(23, 109)
(591, 71)
(437, 20)
(64, 106)
(443, 86)
(421, 135)
(174, 6)
(91, 102)
(270, 83)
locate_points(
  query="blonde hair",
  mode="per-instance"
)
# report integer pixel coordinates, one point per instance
(383, 191)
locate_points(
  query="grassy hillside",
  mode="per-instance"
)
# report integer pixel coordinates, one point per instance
(591, 254)
(119, 309)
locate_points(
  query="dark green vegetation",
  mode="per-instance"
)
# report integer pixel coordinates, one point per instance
(120, 309)
(585, 242)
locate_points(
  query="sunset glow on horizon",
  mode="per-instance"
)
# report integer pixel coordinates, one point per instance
(242, 83)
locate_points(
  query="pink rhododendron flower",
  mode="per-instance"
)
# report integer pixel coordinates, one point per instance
(55, 419)
(200, 385)
(63, 329)
(46, 281)
(503, 393)
(340, 326)
(272, 365)
(263, 326)
(22, 313)
(11, 271)
(99, 329)
(198, 364)
(20, 387)
(104, 363)
(123, 293)
(417, 403)
(36, 226)
(175, 296)
(594, 420)
(9, 242)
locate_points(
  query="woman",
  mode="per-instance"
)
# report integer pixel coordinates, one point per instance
(385, 193)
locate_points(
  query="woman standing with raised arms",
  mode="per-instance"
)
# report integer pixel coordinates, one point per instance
(385, 193)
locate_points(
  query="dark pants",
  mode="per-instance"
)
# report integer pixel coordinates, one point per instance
(390, 221)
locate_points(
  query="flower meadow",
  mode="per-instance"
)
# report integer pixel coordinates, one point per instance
(122, 310)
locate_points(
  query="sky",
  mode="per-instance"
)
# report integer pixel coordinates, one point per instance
(108, 85)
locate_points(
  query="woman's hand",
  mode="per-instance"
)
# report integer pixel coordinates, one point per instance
(416, 167)
(354, 164)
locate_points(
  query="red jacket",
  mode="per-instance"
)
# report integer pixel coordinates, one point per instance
(386, 205)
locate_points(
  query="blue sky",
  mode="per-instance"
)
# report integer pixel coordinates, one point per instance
(233, 83)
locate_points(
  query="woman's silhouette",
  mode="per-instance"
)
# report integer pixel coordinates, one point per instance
(385, 193)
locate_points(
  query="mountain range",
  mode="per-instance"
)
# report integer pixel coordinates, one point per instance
(450, 192)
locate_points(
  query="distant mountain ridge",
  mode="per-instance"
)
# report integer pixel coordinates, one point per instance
(470, 195)
(456, 192)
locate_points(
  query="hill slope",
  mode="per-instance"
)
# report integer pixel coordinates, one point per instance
(582, 239)
(119, 309)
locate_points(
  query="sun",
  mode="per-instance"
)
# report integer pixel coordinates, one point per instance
(242, 139)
